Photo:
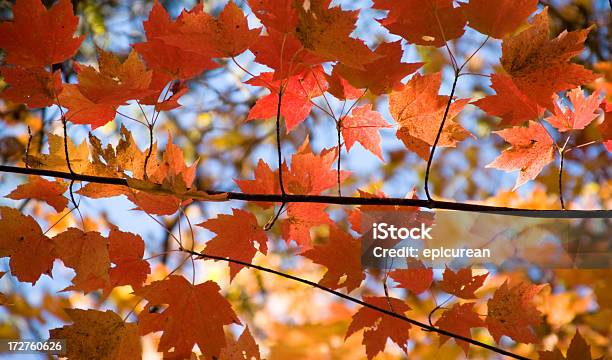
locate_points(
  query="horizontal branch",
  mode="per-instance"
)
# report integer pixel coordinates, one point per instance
(432, 204)
(422, 325)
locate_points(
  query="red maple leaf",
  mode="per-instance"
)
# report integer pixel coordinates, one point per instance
(171, 59)
(75, 248)
(423, 22)
(126, 251)
(341, 88)
(297, 93)
(40, 189)
(35, 87)
(378, 326)
(238, 237)
(38, 37)
(362, 126)
(605, 128)
(509, 102)
(301, 217)
(498, 18)
(195, 315)
(276, 15)
(382, 75)
(461, 283)
(419, 110)
(512, 313)
(29, 250)
(284, 53)
(346, 273)
(459, 319)
(416, 278)
(265, 182)
(94, 100)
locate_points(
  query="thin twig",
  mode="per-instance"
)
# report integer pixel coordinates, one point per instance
(562, 154)
(27, 151)
(435, 144)
(339, 168)
(279, 154)
(273, 219)
(146, 161)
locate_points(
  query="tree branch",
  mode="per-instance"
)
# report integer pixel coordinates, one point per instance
(360, 302)
(324, 199)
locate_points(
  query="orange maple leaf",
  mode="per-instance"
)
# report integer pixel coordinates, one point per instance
(582, 113)
(265, 182)
(95, 99)
(367, 214)
(38, 37)
(379, 327)
(99, 335)
(311, 173)
(540, 67)
(340, 245)
(237, 236)
(511, 312)
(195, 314)
(419, 110)
(174, 176)
(38, 188)
(87, 254)
(532, 149)
(30, 251)
(461, 283)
